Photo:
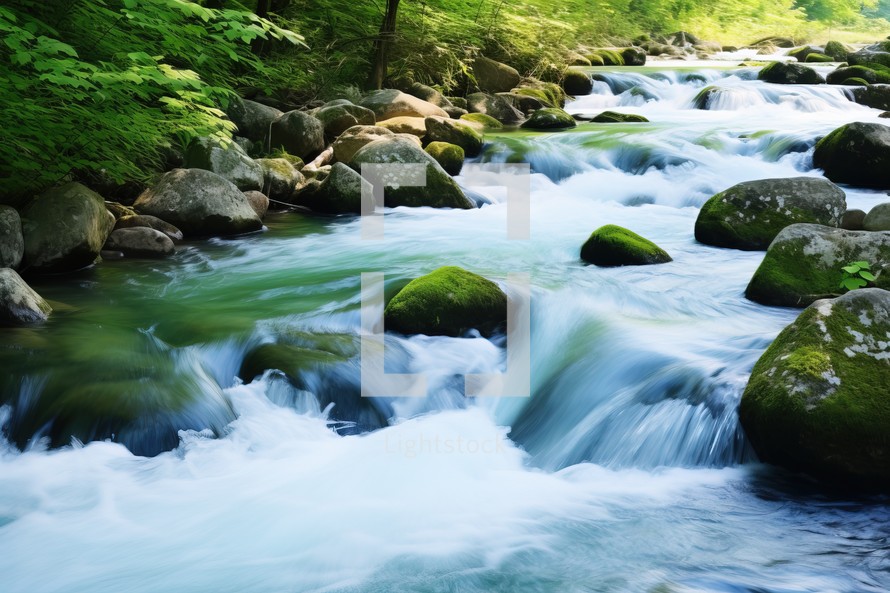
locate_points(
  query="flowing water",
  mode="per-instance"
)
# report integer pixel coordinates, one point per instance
(625, 471)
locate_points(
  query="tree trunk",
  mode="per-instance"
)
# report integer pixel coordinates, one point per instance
(381, 45)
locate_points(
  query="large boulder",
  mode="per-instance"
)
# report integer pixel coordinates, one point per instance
(494, 77)
(614, 117)
(339, 193)
(845, 74)
(857, 153)
(416, 126)
(200, 203)
(298, 133)
(140, 242)
(634, 56)
(804, 261)
(336, 119)
(494, 106)
(355, 138)
(428, 94)
(876, 96)
(227, 160)
(449, 156)
(454, 132)
(148, 221)
(253, 119)
(482, 120)
(837, 51)
(389, 103)
(440, 190)
(789, 73)
(878, 53)
(280, 178)
(577, 82)
(258, 201)
(878, 218)
(64, 229)
(817, 399)
(19, 304)
(749, 215)
(12, 244)
(549, 118)
(448, 301)
(612, 245)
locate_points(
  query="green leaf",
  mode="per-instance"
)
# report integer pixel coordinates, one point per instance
(862, 264)
(851, 269)
(853, 283)
(866, 275)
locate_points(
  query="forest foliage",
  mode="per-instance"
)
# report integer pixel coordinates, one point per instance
(104, 89)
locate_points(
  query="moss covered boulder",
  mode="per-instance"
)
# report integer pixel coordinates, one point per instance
(789, 73)
(549, 93)
(280, 178)
(817, 400)
(749, 215)
(449, 156)
(876, 96)
(493, 76)
(484, 120)
(837, 51)
(355, 138)
(613, 117)
(19, 303)
(609, 57)
(253, 119)
(549, 118)
(298, 133)
(612, 245)
(454, 132)
(448, 301)
(65, 228)
(226, 159)
(440, 190)
(141, 242)
(846, 73)
(877, 53)
(12, 244)
(804, 261)
(200, 203)
(339, 193)
(856, 153)
(577, 82)
(633, 56)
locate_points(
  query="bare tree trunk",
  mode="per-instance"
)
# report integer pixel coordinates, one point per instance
(381, 45)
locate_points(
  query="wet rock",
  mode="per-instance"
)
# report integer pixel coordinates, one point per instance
(449, 156)
(12, 244)
(226, 160)
(148, 221)
(548, 119)
(454, 132)
(856, 153)
(19, 304)
(140, 242)
(298, 133)
(612, 245)
(789, 73)
(878, 218)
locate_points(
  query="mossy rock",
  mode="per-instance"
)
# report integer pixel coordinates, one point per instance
(449, 156)
(495, 106)
(612, 245)
(789, 73)
(749, 215)
(291, 360)
(227, 159)
(633, 56)
(817, 399)
(548, 119)
(610, 57)
(857, 153)
(803, 264)
(481, 118)
(550, 95)
(576, 82)
(705, 97)
(340, 192)
(816, 57)
(453, 132)
(595, 60)
(876, 96)
(837, 50)
(612, 117)
(870, 75)
(448, 301)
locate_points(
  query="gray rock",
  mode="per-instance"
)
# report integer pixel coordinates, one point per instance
(878, 218)
(200, 203)
(336, 119)
(148, 221)
(140, 242)
(355, 138)
(803, 264)
(226, 160)
(299, 133)
(64, 229)
(258, 201)
(389, 103)
(339, 193)
(493, 76)
(749, 215)
(12, 244)
(853, 220)
(494, 106)
(440, 190)
(19, 304)
(253, 119)
(428, 94)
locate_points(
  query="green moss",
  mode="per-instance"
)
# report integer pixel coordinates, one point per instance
(481, 118)
(595, 59)
(609, 57)
(817, 57)
(447, 301)
(612, 245)
(291, 360)
(607, 117)
(856, 82)
(789, 73)
(576, 82)
(551, 95)
(816, 402)
(549, 118)
(450, 156)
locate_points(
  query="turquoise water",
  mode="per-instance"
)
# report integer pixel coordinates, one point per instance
(625, 471)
